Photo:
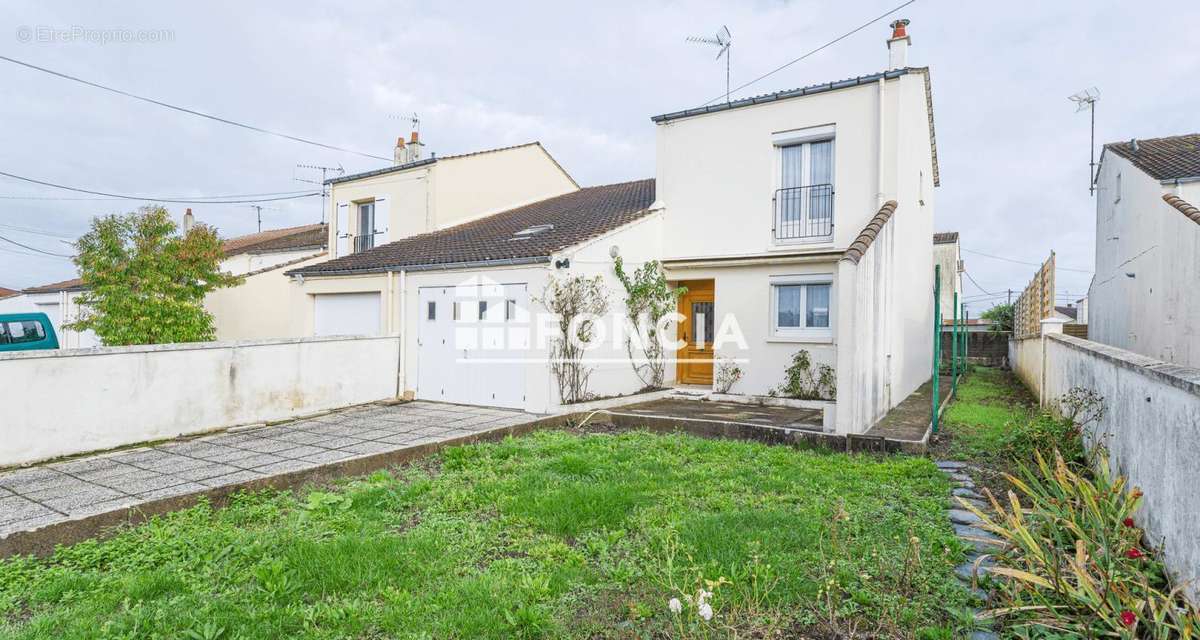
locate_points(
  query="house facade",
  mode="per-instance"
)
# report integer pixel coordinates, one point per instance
(469, 300)
(1142, 297)
(414, 196)
(810, 230)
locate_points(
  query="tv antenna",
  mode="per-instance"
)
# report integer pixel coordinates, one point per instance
(259, 208)
(1086, 99)
(325, 171)
(724, 41)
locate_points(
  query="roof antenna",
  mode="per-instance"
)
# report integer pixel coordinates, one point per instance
(724, 41)
(325, 171)
(259, 208)
(1086, 99)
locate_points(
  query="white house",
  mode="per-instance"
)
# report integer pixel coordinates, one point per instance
(948, 255)
(1143, 296)
(806, 217)
(467, 298)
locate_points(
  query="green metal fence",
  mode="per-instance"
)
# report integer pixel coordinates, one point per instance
(958, 344)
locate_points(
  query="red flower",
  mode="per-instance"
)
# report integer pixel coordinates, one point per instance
(1127, 522)
(1134, 553)
(1127, 618)
(1137, 493)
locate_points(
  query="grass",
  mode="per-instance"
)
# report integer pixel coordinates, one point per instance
(555, 534)
(993, 419)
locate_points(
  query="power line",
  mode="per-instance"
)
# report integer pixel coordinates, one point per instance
(38, 232)
(1031, 264)
(25, 246)
(824, 46)
(972, 279)
(191, 111)
(236, 195)
(193, 200)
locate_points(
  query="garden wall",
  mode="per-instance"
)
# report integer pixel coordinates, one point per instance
(987, 348)
(59, 403)
(1151, 427)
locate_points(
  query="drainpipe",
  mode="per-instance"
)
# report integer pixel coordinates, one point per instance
(879, 168)
(402, 334)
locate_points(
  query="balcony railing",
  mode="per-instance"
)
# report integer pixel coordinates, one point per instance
(363, 243)
(804, 213)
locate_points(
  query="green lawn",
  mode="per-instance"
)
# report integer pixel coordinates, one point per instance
(555, 534)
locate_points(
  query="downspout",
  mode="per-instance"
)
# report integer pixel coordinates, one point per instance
(400, 351)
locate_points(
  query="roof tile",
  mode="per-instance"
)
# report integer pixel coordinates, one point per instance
(570, 219)
(1162, 158)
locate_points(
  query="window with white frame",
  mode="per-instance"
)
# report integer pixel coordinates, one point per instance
(800, 306)
(804, 196)
(366, 227)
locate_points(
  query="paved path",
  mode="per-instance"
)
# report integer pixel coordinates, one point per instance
(38, 496)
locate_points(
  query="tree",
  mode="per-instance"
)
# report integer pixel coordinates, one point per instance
(145, 283)
(1001, 316)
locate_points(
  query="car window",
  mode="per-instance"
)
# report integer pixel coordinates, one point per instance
(24, 331)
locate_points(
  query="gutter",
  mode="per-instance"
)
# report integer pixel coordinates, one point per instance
(448, 266)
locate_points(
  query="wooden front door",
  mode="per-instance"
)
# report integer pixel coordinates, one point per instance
(696, 331)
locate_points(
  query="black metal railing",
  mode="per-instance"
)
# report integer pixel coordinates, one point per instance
(804, 212)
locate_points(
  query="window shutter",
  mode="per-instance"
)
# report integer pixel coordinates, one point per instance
(343, 229)
(381, 220)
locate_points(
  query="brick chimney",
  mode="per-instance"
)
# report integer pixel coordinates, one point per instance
(415, 146)
(189, 220)
(407, 152)
(898, 45)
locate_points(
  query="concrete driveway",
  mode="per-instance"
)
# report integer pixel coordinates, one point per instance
(56, 494)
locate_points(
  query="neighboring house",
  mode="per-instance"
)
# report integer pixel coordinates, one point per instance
(1068, 312)
(465, 297)
(1082, 304)
(1143, 296)
(5, 292)
(258, 308)
(58, 300)
(948, 254)
(806, 215)
(419, 195)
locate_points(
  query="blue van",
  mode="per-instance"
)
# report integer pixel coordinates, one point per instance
(26, 332)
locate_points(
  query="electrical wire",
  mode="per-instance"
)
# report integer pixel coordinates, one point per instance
(824, 46)
(109, 199)
(35, 249)
(191, 111)
(193, 200)
(37, 232)
(1031, 264)
(972, 279)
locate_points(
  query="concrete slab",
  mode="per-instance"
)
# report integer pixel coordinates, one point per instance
(727, 412)
(71, 500)
(910, 419)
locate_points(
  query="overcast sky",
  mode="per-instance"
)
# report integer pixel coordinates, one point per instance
(584, 79)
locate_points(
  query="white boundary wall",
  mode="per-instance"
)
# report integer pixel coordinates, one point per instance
(1151, 426)
(58, 403)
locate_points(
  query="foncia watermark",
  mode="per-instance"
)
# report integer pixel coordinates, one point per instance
(78, 34)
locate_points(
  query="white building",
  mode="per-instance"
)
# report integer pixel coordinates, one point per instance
(807, 217)
(948, 255)
(1143, 297)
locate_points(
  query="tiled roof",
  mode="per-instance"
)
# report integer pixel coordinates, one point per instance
(870, 232)
(6, 292)
(305, 236)
(1184, 207)
(1070, 312)
(1162, 158)
(945, 237)
(821, 88)
(550, 225)
(74, 284)
(433, 159)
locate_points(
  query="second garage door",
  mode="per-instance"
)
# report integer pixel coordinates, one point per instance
(346, 314)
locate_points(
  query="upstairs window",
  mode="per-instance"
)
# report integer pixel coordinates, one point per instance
(366, 227)
(804, 197)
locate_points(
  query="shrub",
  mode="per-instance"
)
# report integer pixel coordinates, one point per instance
(728, 373)
(803, 382)
(1075, 563)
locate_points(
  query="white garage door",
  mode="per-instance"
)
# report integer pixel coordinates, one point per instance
(472, 343)
(346, 314)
